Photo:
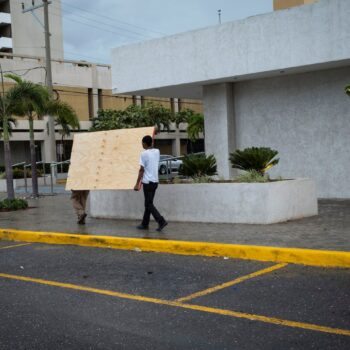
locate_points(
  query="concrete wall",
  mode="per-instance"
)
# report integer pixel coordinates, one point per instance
(306, 117)
(300, 39)
(64, 73)
(28, 35)
(229, 203)
(219, 121)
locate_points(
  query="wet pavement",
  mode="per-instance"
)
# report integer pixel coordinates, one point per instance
(330, 230)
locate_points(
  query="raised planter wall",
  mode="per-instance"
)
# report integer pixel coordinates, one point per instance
(257, 203)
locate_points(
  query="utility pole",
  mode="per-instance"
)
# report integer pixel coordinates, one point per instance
(45, 5)
(49, 79)
(219, 14)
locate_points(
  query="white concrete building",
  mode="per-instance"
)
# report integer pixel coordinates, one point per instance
(274, 80)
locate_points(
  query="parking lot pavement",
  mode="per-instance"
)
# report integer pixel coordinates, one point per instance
(66, 297)
(10, 245)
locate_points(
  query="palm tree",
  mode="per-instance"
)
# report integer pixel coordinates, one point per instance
(7, 149)
(30, 107)
(65, 117)
(183, 116)
(195, 126)
(11, 122)
(40, 103)
(9, 105)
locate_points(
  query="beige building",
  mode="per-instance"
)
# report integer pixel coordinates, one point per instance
(284, 4)
(86, 86)
(22, 33)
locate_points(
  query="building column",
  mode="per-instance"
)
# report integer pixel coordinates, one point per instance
(95, 102)
(176, 143)
(176, 146)
(46, 145)
(94, 90)
(219, 120)
(175, 104)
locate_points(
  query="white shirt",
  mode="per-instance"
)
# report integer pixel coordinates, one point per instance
(149, 159)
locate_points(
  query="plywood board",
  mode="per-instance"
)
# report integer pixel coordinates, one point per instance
(106, 160)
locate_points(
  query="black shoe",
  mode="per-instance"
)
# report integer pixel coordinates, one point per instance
(142, 227)
(161, 226)
(81, 219)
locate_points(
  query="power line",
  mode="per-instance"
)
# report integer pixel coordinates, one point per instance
(93, 26)
(78, 54)
(112, 19)
(26, 70)
(103, 23)
(107, 24)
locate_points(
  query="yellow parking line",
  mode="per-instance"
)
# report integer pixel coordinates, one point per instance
(231, 283)
(15, 245)
(211, 310)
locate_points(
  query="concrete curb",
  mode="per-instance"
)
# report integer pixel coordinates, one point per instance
(311, 257)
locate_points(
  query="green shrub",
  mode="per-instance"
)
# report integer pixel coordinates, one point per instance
(19, 173)
(197, 166)
(133, 116)
(259, 159)
(202, 179)
(252, 176)
(65, 168)
(13, 204)
(347, 90)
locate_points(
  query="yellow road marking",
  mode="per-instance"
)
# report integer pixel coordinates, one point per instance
(231, 313)
(231, 283)
(14, 246)
(325, 258)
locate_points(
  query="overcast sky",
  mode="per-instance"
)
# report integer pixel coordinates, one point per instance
(92, 27)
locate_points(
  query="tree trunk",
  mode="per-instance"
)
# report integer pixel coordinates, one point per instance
(33, 159)
(8, 161)
(63, 153)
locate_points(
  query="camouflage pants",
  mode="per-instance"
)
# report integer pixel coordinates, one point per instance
(79, 199)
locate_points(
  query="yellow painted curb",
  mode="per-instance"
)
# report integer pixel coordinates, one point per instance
(311, 257)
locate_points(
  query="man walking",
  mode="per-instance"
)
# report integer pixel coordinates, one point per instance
(148, 175)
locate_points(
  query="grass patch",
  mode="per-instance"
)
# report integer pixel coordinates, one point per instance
(13, 204)
(252, 176)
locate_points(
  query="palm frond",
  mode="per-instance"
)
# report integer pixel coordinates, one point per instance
(11, 122)
(26, 97)
(347, 90)
(195, 126)
(197, 166)
(14, 77)
(64, 114)
(254, 158)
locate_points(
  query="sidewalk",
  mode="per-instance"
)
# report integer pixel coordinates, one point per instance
(330, 230)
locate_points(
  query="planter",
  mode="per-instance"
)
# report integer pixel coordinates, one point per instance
(20, 183)
(249, 203)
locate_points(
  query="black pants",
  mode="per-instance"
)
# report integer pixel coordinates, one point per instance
(149, 191)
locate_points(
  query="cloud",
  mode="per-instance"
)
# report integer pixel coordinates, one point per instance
(92, 28)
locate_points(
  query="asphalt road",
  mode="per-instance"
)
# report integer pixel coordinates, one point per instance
(66, 297)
